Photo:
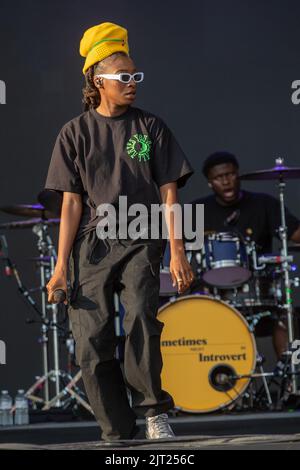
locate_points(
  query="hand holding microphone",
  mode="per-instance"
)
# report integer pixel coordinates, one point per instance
(59, 296)
(57, 287)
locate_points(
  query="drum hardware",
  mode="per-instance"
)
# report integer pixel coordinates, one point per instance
(57, 375)
(275, 259)
(46, 263)
(25, 224)
(281, 371)
(259, 364)
(43, 319)
(43, 382)
(69, 388)
(295, 282)
(257, 266)
(222, 378)
(217, 293)
(254, 319)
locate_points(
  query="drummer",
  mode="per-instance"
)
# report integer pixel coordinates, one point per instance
(256, 215)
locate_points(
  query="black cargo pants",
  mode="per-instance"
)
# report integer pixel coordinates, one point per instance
(97, 269)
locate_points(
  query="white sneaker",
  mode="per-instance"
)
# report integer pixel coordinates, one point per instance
(157, 427)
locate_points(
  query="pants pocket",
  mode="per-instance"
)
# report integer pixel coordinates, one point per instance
(74, 316)
(97, 249)
(155, 268)
(155, 259)
(73, 292)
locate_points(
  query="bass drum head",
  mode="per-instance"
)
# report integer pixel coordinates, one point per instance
(204, 342)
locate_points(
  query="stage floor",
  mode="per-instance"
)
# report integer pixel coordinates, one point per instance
(251, 431)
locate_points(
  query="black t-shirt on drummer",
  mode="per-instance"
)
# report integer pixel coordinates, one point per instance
(255, 215)
(103, 158)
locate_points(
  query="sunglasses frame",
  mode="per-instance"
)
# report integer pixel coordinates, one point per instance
(117, 76)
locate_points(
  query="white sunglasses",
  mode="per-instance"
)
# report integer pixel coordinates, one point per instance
(123, 77)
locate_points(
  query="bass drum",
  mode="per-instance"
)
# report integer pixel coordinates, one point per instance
(205, 344)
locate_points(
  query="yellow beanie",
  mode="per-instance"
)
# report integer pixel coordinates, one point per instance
(102, 41)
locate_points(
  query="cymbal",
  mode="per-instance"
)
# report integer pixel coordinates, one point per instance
(294, 247)
(278, 172)
(28, 210)
(29, 223)
(51, 200)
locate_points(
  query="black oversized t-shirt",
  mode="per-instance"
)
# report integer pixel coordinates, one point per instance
(103, 158)
(255, 214)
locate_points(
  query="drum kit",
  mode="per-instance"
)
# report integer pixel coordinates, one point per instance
(209, 350)
(208, 344)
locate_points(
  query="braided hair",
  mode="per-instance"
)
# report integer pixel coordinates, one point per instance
(91, 94)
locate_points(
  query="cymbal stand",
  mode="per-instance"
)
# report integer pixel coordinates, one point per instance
(13, 271)
(46, 247)
(288, 306)
(41, 231)
(54, 310)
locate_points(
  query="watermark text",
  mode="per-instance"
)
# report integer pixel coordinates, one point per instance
(2, 353)
(2, 92)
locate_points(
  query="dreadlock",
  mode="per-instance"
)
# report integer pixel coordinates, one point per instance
(91, 94)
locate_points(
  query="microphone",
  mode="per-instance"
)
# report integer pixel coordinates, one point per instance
(233, 218)
(59, 296)
(222, 379)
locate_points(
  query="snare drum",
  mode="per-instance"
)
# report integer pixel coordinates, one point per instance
(224, 260)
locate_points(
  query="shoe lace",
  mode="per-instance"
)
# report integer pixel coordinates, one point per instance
(160, 423)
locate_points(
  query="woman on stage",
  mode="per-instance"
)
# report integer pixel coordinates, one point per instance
(114, 149)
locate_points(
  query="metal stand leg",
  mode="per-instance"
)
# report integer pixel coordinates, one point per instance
(283, 230)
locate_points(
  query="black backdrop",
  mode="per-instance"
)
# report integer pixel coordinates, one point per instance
(218, 71)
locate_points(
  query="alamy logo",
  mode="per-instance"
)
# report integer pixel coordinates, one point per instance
(296, 353)
(148, 219)
(295, 97)
(2, 353)
(139, 146)
(2, 92)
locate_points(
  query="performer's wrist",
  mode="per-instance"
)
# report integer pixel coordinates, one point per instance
(61, 265)
(176, 246)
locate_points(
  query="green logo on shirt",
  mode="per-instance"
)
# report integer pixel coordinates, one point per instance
(139, 146)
